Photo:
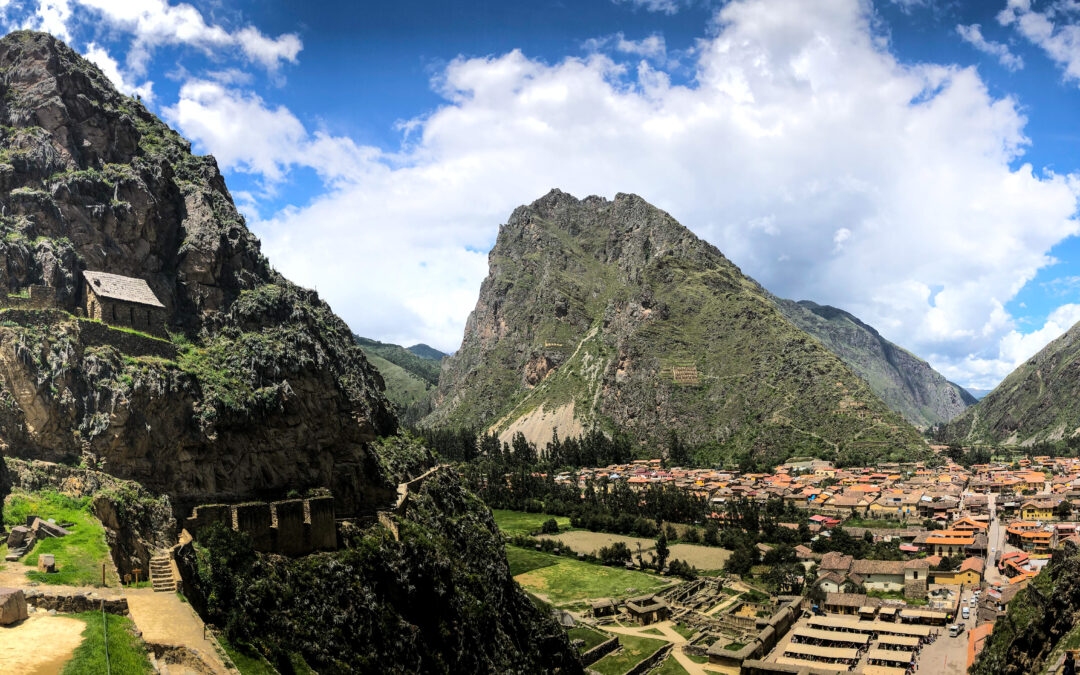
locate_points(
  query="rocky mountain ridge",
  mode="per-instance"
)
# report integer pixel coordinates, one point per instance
(611, 314)
(1037, 402)
(906, 383)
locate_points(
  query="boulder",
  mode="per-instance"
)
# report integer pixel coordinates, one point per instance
(46, 562)
(46, 529)
(18, 536)
(12, 606)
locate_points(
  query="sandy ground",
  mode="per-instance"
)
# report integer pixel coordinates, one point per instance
(538, 425)
(582, 541)
(165, 620)
(701, 557)
(41, 645)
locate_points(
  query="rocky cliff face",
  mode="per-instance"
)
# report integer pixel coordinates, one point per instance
(906, 383)
(1039, 401)
(610, 313)
(267, 390)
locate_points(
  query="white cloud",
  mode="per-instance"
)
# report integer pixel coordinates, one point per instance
(100, 57)
(51, 16)
(973, 35)
(663, 6)
(799, 126)
(1056, 30)
(157, 22)
(651, 47)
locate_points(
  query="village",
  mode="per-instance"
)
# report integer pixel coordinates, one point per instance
(969, 538)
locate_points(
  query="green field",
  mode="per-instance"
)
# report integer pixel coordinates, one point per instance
(523, 560)
(79, 556)
(127, 654)
(670, 667)
(590, 636)
(519, 522)
(564, 580)
(634, 651)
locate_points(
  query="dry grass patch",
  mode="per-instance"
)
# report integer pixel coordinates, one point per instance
(701, 557)
(582, 541)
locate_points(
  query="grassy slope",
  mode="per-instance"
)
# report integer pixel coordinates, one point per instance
(423, 368)
(79, 556)
(402, 387)
(591, 637)
(127, 653)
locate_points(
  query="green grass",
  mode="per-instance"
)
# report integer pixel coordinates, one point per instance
(523, 560)
(684, 630)
(670, 667)
(567, 580)
(79, 556)
(634, 651)
(897, 595)
(127, 653)
(654, 631)
(734, 646)
(246, 660)
(590, 636)
(872, 523)
(519, 522)
(402, 387)
(697, 659)
(756, 596)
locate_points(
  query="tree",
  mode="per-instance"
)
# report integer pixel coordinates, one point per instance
(662, 552)
(712, 537)
(671, 533)
(550, 526)
(692, 535)
(1063, 510)
(678, 454)
(616, 554)
(742, 560)
(786, 578)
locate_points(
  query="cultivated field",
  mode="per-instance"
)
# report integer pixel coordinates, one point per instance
(583, 541)
(520, 522)
(701, 557)
(568, 580)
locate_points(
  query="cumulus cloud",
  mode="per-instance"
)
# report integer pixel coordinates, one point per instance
(51, 16)
(663, 6)
(1056, 30)
(100, 57)
(823, 166)
(973, 35)
(154, 23)
(651, 47)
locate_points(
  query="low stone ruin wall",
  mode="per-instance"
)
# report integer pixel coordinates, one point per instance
(292, 527)
(599, 651)
(73, 603)
(96, 333)
(775, 629)
(651, 662)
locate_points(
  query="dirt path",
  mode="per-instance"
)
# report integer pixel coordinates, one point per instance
(669, 634)
(165, 620)
(14, 576)
(41, 645)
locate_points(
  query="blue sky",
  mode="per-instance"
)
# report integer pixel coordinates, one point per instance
(916, 162)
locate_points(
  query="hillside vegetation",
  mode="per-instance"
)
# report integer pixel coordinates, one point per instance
(611, 314)
(1038, 402)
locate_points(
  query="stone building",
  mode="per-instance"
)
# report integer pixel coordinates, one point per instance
(123, 301)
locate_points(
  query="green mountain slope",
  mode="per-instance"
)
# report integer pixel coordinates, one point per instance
(402, 387)
(610, 313)
(1039, 401)
(426, 352)
(906, 383)
(422, 367)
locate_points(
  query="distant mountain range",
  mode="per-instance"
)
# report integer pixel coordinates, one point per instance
(612, 314)
(410, 374)
(425, 352)
(906, 383)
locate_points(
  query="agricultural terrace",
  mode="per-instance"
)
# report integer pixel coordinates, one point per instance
(561, 580)
(520, 522)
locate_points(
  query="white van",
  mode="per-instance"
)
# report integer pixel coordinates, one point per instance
(954, 630)
(966, 612)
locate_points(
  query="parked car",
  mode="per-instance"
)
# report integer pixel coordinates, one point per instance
(966, 612)
(954, 630)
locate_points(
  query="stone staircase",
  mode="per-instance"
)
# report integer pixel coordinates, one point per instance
(161, 573)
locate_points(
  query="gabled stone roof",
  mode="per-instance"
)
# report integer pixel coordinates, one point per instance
(116, 287)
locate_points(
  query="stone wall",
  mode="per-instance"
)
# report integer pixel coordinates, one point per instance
(599, 651)
(771, 633)
(73, 603)
(292, 527)
(95, 333)
(36, 297)
(651, 662)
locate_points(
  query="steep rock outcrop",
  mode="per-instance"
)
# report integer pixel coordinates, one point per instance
(268, 391)
(616, 309)
(906, 383)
